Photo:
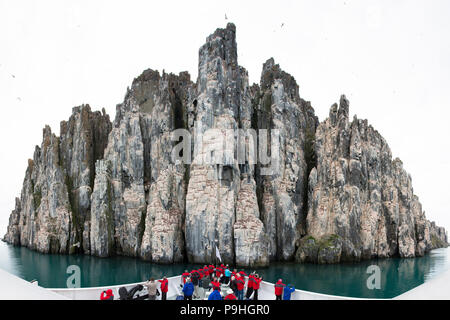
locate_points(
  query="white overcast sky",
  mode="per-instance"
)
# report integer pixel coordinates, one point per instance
(391, 59)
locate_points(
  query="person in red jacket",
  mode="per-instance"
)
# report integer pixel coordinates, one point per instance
(279, 287)
(215, 284)
(184, 276)
(219, 272)
(195, 278)
(242, 273)
(256, 285)
(107, 295)
(240, 284)
(201, 274)
(250, 286)
(164, 288)
(206, 270)
(230, 295)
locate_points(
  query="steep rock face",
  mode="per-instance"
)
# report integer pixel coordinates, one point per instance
(125, 157)
(45, 215)
(12, 235)
(291, 120)
(362, 197)
(250, 238)
(223, 161)
(147, 190)
(437, 235)
(83, 140)
(256, 176)
(215, 174)
(163, 239)
(102, 230)
(55, 200)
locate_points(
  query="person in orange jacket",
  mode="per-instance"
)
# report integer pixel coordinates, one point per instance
(230, 295)
(279, 287)
(164, 288)
(107, 295)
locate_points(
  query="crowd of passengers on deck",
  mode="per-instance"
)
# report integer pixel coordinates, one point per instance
(209, 281)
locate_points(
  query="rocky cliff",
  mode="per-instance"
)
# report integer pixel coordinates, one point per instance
(53, 212)
(187, 167)
(361, 201)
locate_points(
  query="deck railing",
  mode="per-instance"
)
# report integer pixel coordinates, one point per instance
(266, 292)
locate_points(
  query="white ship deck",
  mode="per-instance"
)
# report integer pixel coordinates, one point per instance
(266, 292)
(15, 288)
(437, 288)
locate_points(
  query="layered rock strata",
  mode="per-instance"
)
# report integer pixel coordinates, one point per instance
(53, 212)
(186, 168)
(361, 201)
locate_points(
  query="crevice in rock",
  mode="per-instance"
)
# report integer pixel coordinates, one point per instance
(179, 114)
(311, 162)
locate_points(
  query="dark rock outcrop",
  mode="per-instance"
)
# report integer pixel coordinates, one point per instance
(282, 193)
(362, 196)
(315, 192)
(53, 213)
(142, 192)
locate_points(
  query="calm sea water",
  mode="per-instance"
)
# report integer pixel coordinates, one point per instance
(397, 275)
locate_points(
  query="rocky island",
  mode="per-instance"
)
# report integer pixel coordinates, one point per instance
(107, 188)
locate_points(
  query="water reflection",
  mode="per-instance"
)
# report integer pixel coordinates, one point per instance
(397, 275)
(50, 270)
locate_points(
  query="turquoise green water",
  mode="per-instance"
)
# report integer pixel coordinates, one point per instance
(397, 275)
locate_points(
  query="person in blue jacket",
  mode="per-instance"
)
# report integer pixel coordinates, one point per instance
(188, 289)
(227, 275)
(215, 295)
(288, 291)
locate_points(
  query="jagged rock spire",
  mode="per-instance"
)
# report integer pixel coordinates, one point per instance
(329, 193)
